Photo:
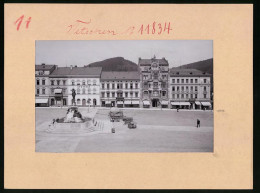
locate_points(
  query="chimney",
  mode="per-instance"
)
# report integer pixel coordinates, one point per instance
(43, 64)
(71, 67)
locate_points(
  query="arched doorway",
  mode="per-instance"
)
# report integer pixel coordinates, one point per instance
(155, 102)
(64, 102)
(84, 102)
(94, 102)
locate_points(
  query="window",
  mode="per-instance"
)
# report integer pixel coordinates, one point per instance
(136, 94)
(52, 82)
(64, 82)
(38, 82)
(136, 85)
(187, 80)
(126, 85)
(196, 88)
(205, 88)
(191, 88)
(94, 82)
(64, 90)
(182, 96)
(205, 96)
(78, 83)
(177, 88)
(173, 96)
(163, 85)
(94, 90)
(178, 81)
(113, 86)
(196, 80)
(191, 81)
(89, 81)
(126, 94)
(191, 96)
(205, 80)
(163, 93)
(131, 85)
(78, 90)
(103, 86)
(83, 82)
(173, 88)
(182, 80)
(187, 88)
(187, 96)
(117, 85)
(173, 80)
(177, 96)
(43, 82)
(131, 94)
(89, 90)
(83, 91)
(196, 96)
(103, 94)
(38, 91)
(58, 82)
(108, 86)
(121, 85)
(52, 90)
(72, 82)
(182, 88)
(78, 101)
(43, 91)
(113, 94)
(108, 94)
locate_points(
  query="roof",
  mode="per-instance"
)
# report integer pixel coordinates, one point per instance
(44, 66)
(76, 71)
(186, 72)
(120, 75)
(144, 62)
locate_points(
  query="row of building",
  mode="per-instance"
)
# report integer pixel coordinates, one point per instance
(153, 85)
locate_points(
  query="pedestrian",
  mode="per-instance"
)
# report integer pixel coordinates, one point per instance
(198, 123)
(177, 109)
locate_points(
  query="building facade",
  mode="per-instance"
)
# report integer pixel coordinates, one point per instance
(42, 84)
(154, 82)
(84, 80)
(190, 89)
(120, 89)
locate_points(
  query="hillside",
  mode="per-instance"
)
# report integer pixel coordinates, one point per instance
(115, 64)
(204, 66)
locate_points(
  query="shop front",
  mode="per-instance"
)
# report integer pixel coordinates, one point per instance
(206, 105)
(146, 104)
(41, 102)
(164, 104)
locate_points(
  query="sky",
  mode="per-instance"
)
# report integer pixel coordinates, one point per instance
(83, 52)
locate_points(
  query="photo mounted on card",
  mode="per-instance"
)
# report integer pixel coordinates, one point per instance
(95, 92)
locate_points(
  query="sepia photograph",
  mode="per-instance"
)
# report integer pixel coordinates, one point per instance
(124, 96)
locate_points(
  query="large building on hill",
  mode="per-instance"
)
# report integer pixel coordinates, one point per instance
(154, 82)
(84, 80)
(121, 89)
(190, 89)
(42, 84)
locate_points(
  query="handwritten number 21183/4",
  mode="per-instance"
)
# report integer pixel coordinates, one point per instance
(19, 21)
(155, 28)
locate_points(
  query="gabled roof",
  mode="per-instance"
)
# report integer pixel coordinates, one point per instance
(144, 62)
(76, 71)
(46, 67)
(120, 75)
(186, 72)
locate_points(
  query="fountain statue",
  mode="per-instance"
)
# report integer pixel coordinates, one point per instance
(73, 96)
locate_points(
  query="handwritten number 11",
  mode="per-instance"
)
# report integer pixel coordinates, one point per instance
(19, 21)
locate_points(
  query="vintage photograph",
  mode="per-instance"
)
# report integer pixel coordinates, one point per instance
(124, 96)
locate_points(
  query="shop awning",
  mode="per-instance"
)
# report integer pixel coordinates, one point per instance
(146, 102)
(197, 102)
(135, 102)
(119, 102)
(41, 101)
(206, 103)
(185, 103)
(175, 103)
(57, 91)
(127, 102)
(164, 103)
(108, 102)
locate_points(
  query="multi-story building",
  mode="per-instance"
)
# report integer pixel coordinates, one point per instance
(154, 79)
(42, 82)
(84, 80)
(190, 89)
(121, 89)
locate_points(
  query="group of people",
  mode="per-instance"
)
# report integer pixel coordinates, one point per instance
(73, 116)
